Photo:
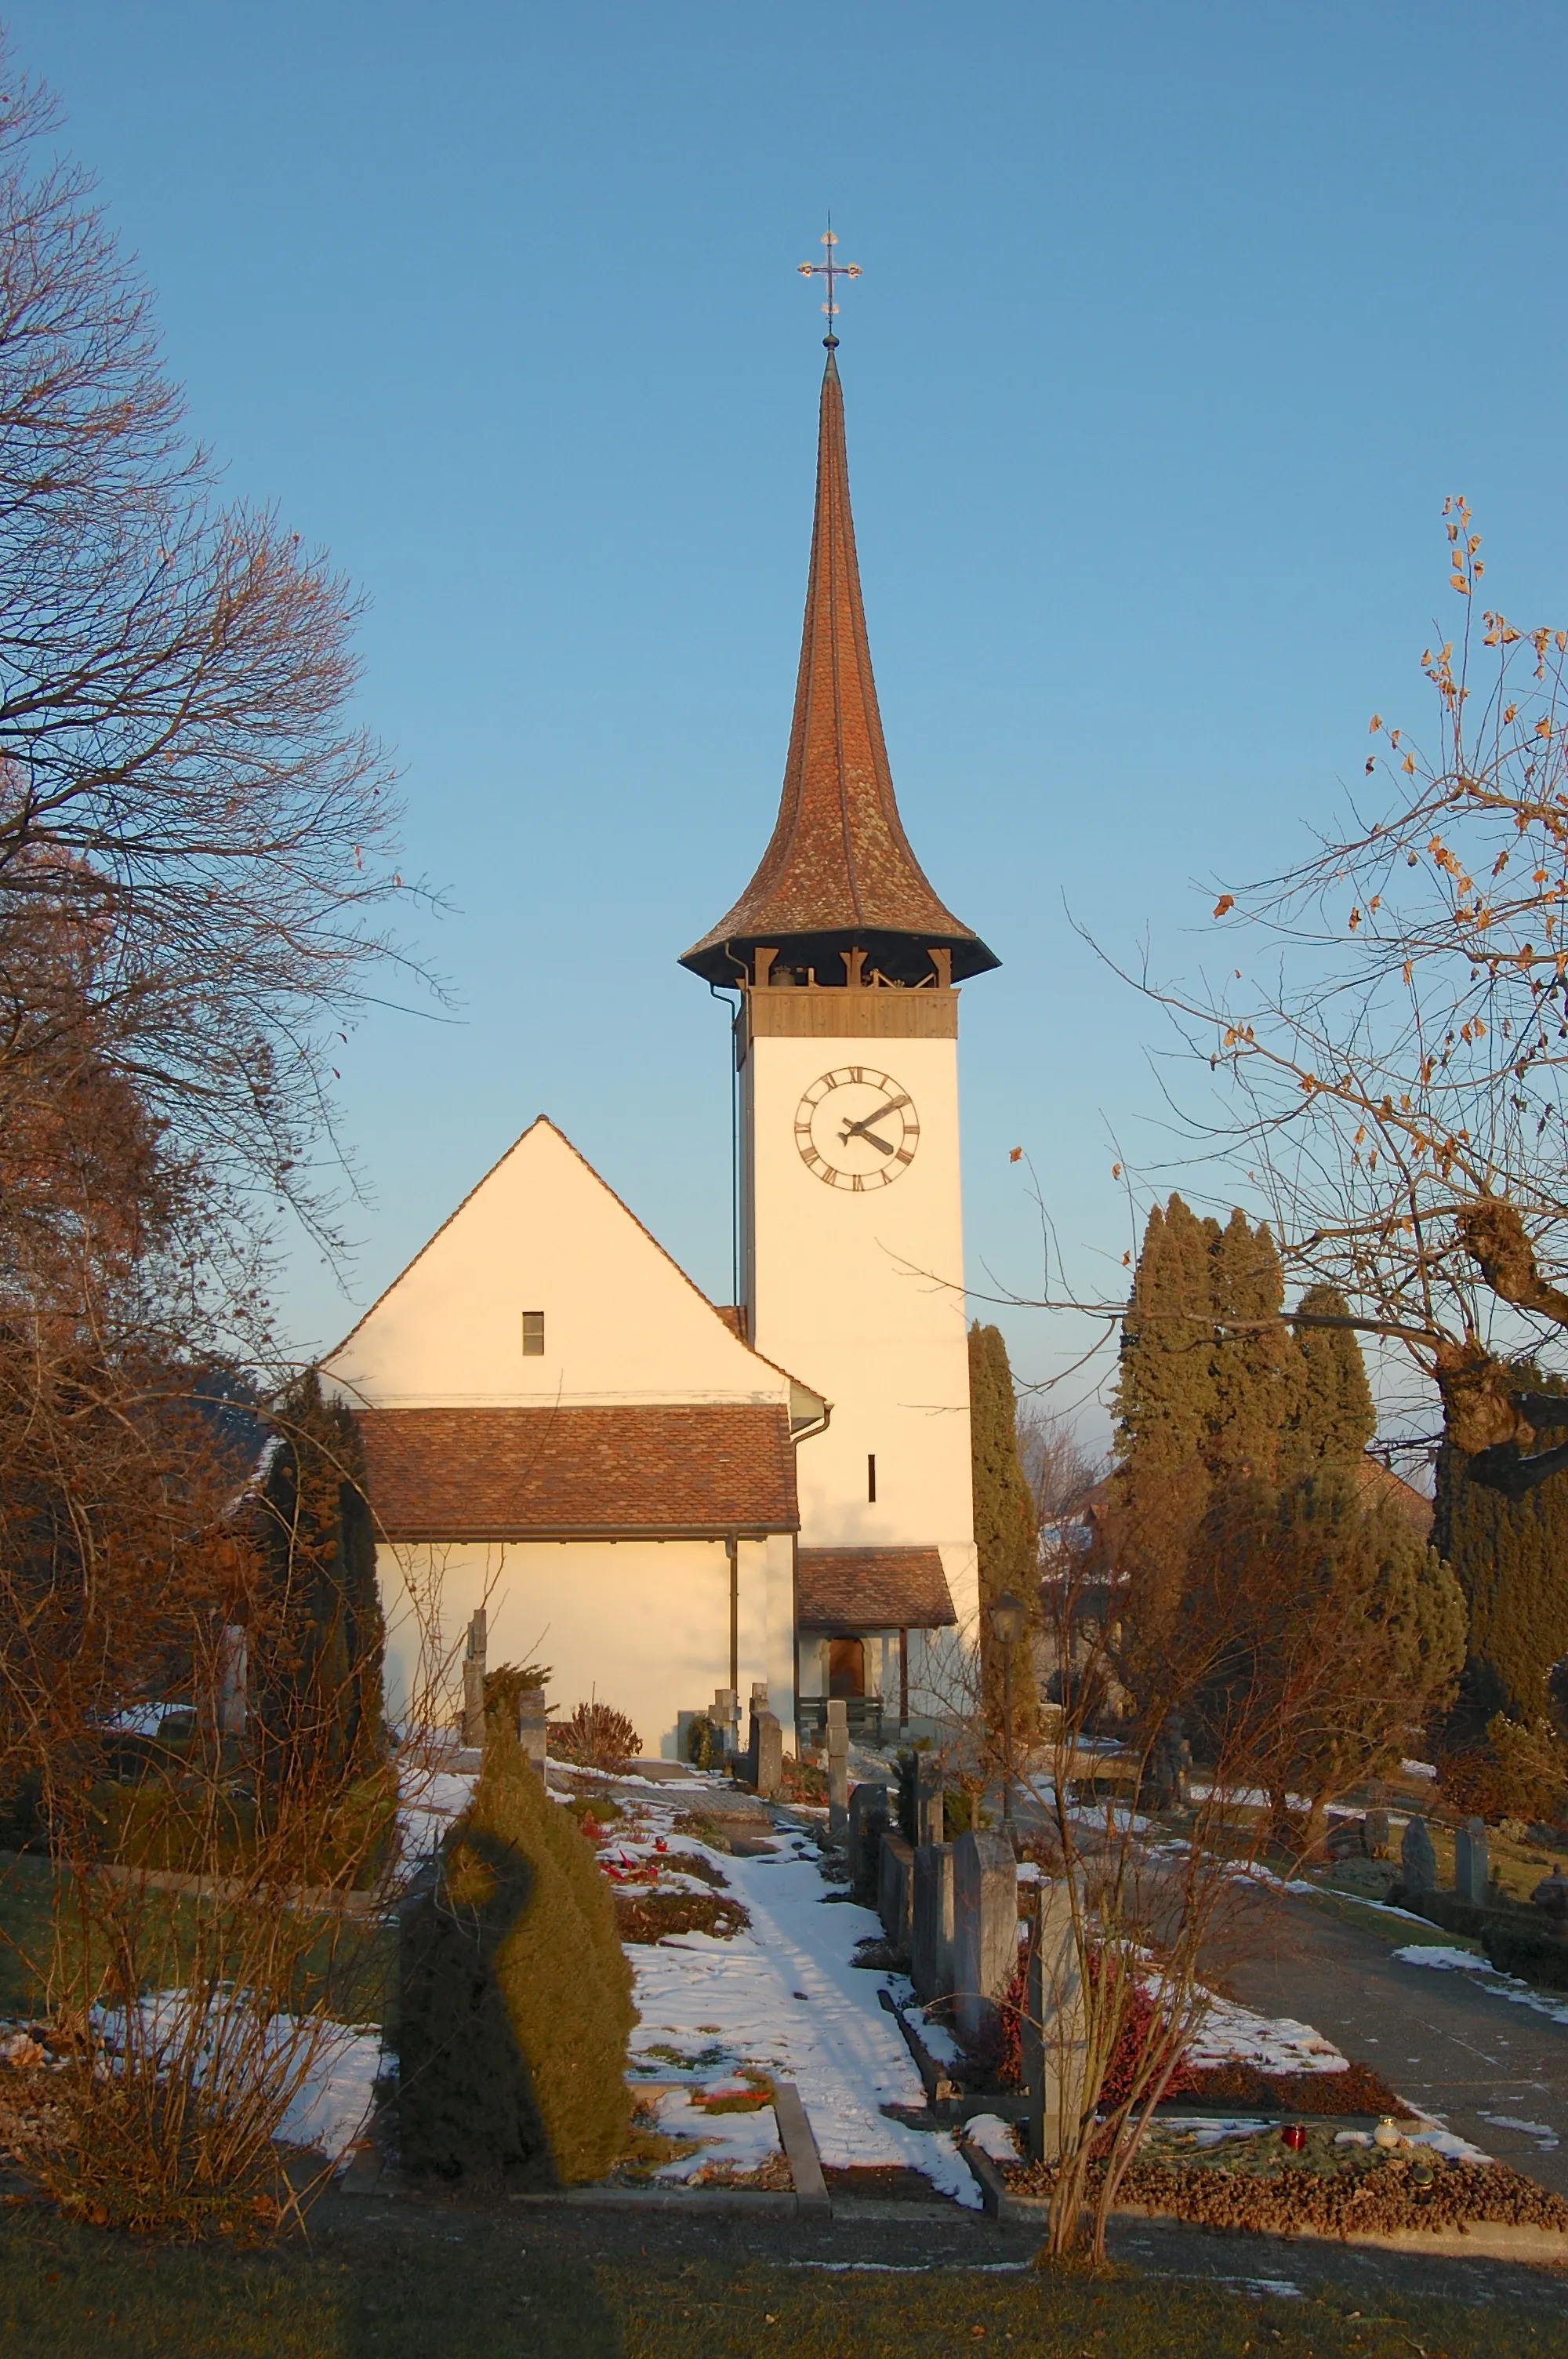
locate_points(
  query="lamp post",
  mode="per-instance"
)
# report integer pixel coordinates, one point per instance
(1008, 1617)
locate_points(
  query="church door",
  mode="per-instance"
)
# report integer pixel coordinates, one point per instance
(846, 1667)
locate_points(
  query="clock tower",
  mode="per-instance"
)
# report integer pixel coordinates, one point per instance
(846, 1040)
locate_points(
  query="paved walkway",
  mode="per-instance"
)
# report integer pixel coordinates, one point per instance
(1444, 2039)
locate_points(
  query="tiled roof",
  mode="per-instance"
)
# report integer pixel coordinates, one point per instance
(873, 1589)
(505, 1474)
(839, 861)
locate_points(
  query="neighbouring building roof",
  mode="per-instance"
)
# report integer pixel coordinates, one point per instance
(840, 869)
(520, 1474)
(873, 1589)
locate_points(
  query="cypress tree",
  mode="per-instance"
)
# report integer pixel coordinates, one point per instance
(1257, 1367)
(1006, 1532)
(1333, 1419)
(321, 1639)
(1166, 1406)
(1165, 1398)
(515, 1997)
(1510, 1556)
(1329, 1627)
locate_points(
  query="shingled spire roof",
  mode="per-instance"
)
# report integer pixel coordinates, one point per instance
(840, 870)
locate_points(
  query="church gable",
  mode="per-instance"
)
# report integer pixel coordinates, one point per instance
(543, 1290)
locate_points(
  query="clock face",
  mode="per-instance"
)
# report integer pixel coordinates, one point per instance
(857, 1128)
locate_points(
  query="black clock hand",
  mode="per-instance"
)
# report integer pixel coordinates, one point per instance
(856, 1129)
(860, 1131)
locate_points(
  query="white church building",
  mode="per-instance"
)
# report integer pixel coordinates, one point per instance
(660, 1496)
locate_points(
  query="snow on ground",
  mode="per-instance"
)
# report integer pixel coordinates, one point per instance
(429, 1800)
(330, 2068)
(739, 2141)
(1424, 1954)
(1231, 2034)
(785, 1999)
(992, 2135)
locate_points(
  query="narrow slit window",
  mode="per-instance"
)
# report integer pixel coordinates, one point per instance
(533, 1334)
(871, 1479)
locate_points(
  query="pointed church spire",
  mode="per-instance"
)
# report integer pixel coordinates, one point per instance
(840, 872)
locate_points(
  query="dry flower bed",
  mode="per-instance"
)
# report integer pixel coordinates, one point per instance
(1357, 2090)
(1256, 2184)
(644, 1916)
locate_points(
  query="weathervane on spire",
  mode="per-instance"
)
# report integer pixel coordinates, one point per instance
(830, 270)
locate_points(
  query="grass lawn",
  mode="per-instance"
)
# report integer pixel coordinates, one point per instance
(353, 1961)
(465, 2287)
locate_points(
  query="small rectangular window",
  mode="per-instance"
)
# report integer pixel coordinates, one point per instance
(871, 1479)
(533, 1334)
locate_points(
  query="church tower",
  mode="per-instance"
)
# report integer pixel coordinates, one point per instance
(847, 966)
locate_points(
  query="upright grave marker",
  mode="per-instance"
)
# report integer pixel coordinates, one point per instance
(985, 1929)
(838, 1770)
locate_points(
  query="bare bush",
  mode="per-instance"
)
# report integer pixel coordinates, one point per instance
(597, 1736)
(1398, 1093)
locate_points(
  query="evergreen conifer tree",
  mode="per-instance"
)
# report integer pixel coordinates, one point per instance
(1257, 1367)
(1328, 1628)
(1510, 1556)
(515, 1996)
(1333, 1419)
(318, 1656)
(1165, 1400)
(1006, 1532)
(1167, 1405)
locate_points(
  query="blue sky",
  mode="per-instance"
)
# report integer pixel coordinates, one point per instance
(1177, 324)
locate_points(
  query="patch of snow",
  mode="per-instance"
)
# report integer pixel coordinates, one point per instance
(1434, 1954)
(1229, 2034)
(326, 2072)
(1419, 1768)
(992, 2135)
(429, 1800)
(938, 2042)
(736, 2141)
(1449, 2144)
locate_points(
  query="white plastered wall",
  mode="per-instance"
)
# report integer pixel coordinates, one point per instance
(623, 1325)
(641, 1624)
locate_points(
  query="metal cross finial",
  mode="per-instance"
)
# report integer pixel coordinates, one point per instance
(830, 270)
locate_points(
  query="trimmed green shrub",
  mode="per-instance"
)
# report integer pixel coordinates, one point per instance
(1528, 1950)
(704, 1745)
(516, 1996)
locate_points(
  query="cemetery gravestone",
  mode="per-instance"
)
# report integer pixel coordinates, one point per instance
(1470, 1870)
(234, 1657)
(930, 1808)
(767, 1754)
(869, 1821)
(931, 1934)
(838, 1771)
(895, 1891)
(985, 1929)
(473, 1683)
(1055, 2032)
(1417, 1861)
(1376, 1826)
(531, 1727)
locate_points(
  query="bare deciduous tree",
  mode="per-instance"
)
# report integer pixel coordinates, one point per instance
(182, 785)
(1398, 1091)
